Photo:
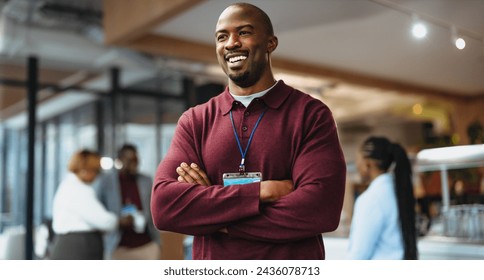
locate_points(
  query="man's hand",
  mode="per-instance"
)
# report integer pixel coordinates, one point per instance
(272, 190)
(192, 174)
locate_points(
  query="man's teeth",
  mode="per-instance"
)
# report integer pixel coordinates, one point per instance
(237, 58)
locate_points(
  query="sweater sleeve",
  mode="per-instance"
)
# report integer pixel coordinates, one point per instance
(314, 207)
(191, 208)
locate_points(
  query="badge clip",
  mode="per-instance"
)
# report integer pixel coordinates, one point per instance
(242, 166)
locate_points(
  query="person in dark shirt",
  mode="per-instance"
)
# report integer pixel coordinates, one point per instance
(128, 193)
(256, 172)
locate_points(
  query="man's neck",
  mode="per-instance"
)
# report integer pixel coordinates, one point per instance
(261, 85)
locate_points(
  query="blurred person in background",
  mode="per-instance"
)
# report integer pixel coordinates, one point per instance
(79, 218)
(383, 224)
(127, 193)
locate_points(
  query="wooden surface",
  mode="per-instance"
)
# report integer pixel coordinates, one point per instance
(171, 245)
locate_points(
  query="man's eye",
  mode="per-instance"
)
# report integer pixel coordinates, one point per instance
(244, 33)
(221, 37)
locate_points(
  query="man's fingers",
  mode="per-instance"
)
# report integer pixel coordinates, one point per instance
(204, 178)
(195, 166)
(180, 171)
(183, 172)
(190, 171)
(192, 174)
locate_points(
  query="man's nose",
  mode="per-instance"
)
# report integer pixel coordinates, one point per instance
(233, 42)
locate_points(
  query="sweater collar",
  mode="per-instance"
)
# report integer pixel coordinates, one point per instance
(273, 98)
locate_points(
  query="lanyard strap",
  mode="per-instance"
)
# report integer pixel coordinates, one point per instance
(243, 153)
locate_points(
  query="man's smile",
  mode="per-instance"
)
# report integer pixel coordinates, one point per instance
(237, 58)
(234, 58)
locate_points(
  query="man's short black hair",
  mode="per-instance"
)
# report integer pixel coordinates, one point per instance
(265, 18)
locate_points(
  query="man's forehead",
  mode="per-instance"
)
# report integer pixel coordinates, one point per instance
(236, 19)
(236, 9)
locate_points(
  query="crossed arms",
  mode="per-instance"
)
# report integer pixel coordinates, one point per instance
(270, 190)
(184, 200)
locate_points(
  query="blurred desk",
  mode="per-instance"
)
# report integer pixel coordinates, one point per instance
(449, 248)
(430, 248)
(172, 245)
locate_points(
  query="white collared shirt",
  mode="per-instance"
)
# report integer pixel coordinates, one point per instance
(76, 208)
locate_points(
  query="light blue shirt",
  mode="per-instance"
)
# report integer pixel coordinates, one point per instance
(375, 228)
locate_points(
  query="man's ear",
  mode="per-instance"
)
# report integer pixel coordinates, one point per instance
(272, 44)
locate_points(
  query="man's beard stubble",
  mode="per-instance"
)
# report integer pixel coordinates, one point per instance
(242, 80)
(249, 77)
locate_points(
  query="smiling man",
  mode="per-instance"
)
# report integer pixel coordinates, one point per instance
(245, 41)
(257, 172)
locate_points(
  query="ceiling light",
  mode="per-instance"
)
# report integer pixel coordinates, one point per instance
(417, 109)
(459, 42)
(419, 30)
(420, 21)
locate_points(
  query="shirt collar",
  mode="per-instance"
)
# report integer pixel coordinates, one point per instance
(382, 179)
(273, 98)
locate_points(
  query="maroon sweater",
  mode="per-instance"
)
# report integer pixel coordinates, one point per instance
(296, 139)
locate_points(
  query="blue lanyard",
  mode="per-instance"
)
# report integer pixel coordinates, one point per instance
(243, 153)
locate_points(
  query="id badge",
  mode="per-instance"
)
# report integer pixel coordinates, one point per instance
(241, 178)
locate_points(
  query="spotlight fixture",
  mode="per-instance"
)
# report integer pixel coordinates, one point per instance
(419, 30)
(459, 42)
(419, 21)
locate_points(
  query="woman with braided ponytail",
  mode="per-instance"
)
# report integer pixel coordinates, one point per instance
(383, 224)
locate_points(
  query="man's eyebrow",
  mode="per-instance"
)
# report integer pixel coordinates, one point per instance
(238, 28)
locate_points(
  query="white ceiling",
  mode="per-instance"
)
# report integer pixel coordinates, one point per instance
(360, 37)
(366, 37)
